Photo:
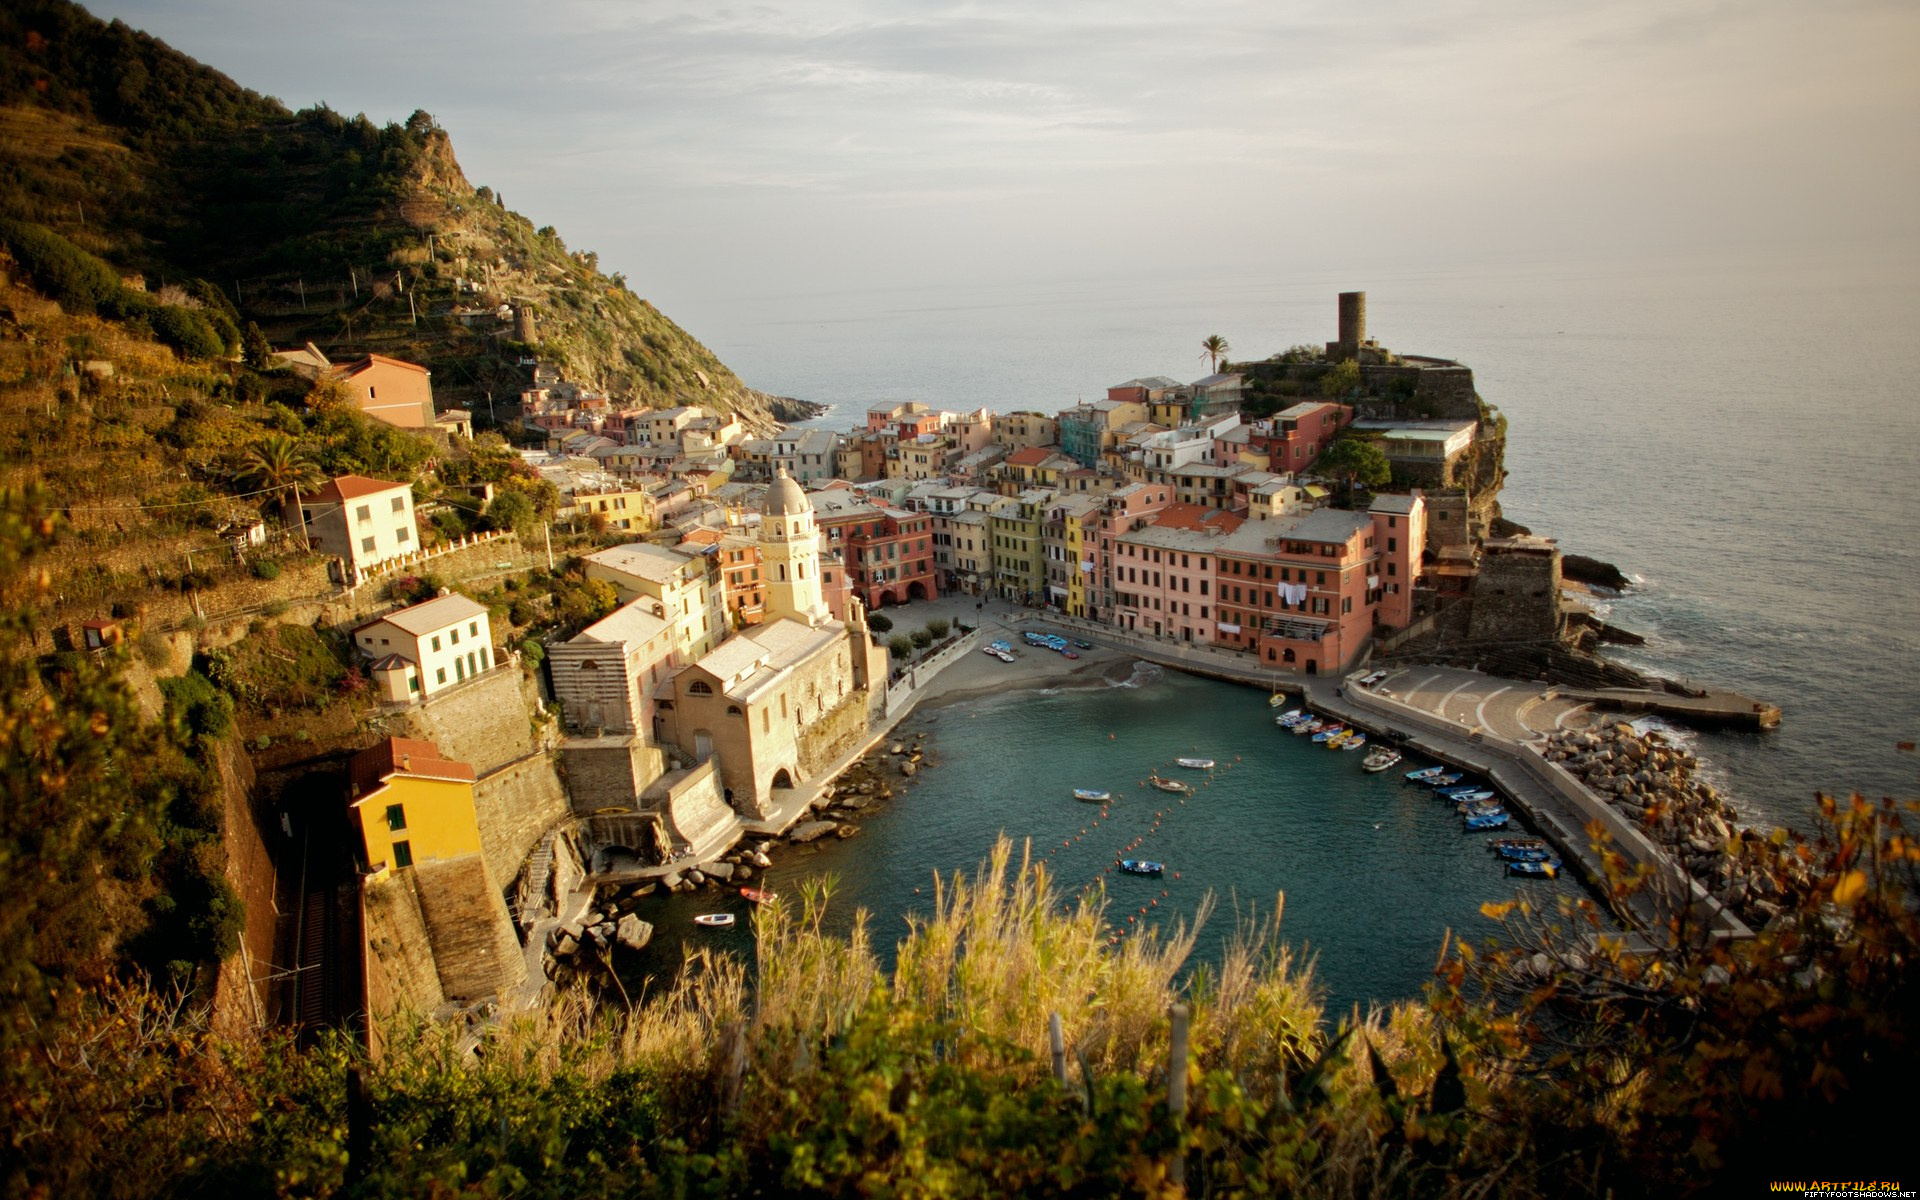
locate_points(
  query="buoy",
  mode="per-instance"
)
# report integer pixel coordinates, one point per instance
(1109, 737)
(1176, 874)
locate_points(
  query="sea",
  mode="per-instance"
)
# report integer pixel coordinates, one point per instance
(1739, 434)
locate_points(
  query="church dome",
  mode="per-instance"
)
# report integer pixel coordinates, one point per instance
(784, 497)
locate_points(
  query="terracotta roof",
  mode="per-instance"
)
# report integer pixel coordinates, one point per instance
(371, 360)
(1032, 456)
(1192, 516)
(351, 487)
(396, 756)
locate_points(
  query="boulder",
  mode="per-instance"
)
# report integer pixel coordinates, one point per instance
(672, 881)
(720, 871)
(761, 860)
(811, 830)
(633, 933)
(696, 877)
(908, 768)
(846, 831)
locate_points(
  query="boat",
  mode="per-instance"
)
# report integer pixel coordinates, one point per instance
(1456, 789)
(1517, 843)
(1380, 759)
(1471, 797)
(1355, 742)
(1292, 714)
(1329, 732)
(1526, 853)
(1440, 781)
(714, 920)
(1544, 869)
(758, 895)
(1196, 764)
(1092, 795)
(1005, 656)
(1277, 699)
(1424, 774)
(1483, 821)
(1170, 785)
(1313, 726)
(1141, 866)
(1069, 654)
(1339, 739)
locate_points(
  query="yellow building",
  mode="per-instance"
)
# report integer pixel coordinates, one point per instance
(411, 805)
(679, 584)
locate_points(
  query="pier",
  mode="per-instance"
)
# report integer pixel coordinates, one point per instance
(1714, 706)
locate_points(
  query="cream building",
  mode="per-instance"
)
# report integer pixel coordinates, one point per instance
(678, 585)
(428, 647)
(362, 522)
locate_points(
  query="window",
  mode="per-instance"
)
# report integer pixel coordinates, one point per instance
(399, 504)
(366, 545)
(413, 683)
(363, 513)
(453, 636)
(396, 816)
(473, 628)
(403, 535)
(440, 675)
(1393, 544)
(402, 854)
(699, 687)
(436, 641)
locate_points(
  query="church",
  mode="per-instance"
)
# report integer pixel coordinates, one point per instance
(780, 701)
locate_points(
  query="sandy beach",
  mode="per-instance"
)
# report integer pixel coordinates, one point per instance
(975, 675)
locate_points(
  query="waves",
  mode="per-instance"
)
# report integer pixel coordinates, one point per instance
(1143, 675)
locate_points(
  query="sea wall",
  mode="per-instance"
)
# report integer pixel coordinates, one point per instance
(515, 805)
(400, 974)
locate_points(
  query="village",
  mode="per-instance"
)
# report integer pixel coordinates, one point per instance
(521, 800)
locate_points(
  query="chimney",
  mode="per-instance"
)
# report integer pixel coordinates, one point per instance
(406, 762)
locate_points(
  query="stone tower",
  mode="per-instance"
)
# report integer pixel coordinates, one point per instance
(790, 554)
(1353, 327)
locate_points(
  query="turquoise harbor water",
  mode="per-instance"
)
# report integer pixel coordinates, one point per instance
(1375, 870)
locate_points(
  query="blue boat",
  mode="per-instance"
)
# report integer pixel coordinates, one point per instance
(1424, 774)
(1440, 781)
(1483, 821)
(1525, 853)
(1471, 797)
(1479, 808)
(1456, 789)
(1331, 731)
(1141, 866)
(1544, 869)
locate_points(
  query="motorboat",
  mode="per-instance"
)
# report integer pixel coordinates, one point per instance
(1092, 795)
(1292, 714)
(1526, 853)
(759, 895)
(1005, 656)
(1471, 797)
(1440, 781)
(1170, 785)
(1080, 645)
(1328, 732)
(1456, 789)
(1196, 764)
(1277, 699)
(1142, 866)
(1543, 869)
(1380, 759)
(1424, 774)
(1339, 739)
(714, 920)
(1484, 821)
(1355, 742)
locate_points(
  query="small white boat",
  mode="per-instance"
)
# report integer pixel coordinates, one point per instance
(1380, 759)
(1289, 717)
(714, 920)
(1355, 742)
(1197, 764)
(1170, 785)
(1092, 795)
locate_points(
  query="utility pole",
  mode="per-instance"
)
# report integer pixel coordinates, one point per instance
(353, 277)
(303, 295)
(546, 531)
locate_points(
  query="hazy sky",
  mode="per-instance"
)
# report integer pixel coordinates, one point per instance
(715, 151)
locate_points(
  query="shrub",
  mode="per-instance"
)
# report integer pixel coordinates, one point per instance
(195, 707)
(265, 568)
(921, 638)
(939, 627)
(70, 276)
(533, 653)
(276, 608)
(901, 647)
(880, 623)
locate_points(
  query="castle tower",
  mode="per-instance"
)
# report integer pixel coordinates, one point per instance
(790, 554)
(1353, 327)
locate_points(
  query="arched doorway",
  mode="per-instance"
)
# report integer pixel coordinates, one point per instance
(887, 598)
(781, 779)
(916, 591)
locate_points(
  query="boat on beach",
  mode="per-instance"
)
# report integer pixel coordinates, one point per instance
(1380, 759)
(1092, 795)
(1170, 785)
(1195, 764)
(1142, 866)
(714, 920)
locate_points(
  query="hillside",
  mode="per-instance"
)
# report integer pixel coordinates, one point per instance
(316, 226)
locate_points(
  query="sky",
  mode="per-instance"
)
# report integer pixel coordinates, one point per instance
(715, 152)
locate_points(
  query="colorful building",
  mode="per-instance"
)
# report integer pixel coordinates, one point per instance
(410, 806)
(428, 647)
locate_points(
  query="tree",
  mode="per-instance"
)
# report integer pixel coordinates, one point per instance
(512, 510)
(1355, 460)
(880, 622)
(939, 627)
(900, 646)
(255, 347)
(279, 465)
(1213, 349)
(1342, 381)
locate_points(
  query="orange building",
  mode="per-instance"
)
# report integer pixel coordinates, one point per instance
(386, 389)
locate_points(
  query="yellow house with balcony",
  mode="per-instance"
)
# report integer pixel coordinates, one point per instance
(411, 805)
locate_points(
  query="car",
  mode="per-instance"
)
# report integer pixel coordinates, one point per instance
(1080, 645)
(1068, 654)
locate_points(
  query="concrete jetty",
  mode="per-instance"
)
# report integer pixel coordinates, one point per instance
(1714, 706)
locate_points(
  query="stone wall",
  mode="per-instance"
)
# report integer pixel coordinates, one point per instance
(400, 974)
(515, 805)
(697, 810)
(244, 998)
(609, 772)
(1516, 597)
(845, 724)
(475, 951)
(482, 722)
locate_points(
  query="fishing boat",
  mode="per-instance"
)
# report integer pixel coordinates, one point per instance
(1526, 853)
(1440, 781)
(1142, 866)
(1456, 789)
(1196, 764)
(1313, 726)
(714, 920)
(1289, 716)
(1544, 869)
(1471, 797)
(1424, 774)
(1092, 795)
(1484, 821)
(1517, 843)
(1170, 785)
(1355, 742)
(758, 895)
(1380, 759)
(1328, 733)
(1339, 739)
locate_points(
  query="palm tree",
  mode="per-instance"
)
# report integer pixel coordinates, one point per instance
(1214, 348)
(278, 464)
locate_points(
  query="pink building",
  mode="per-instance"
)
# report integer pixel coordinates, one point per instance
(1163, 574)
(1293, 438)
(1121, 511)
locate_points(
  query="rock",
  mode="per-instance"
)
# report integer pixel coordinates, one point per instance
(761, 860)
(720, 871)
(564, 945)
(811, 830)
(846, 831)
(696, 877)
(742, 873)
(908, 768)
(897, 748)
(672, 881)
(633, 933)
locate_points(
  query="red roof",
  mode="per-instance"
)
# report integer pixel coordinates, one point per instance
(396, 756)
(372, 360)
(1193, 516)
(351, 487)
(1032, 456)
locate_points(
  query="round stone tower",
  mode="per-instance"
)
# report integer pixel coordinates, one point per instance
(790, 554)
(1353, 319)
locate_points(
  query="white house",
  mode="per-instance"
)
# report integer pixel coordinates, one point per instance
(363, 522)
(423, 649)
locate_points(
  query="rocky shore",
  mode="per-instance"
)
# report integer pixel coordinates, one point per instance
(1654, 781)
